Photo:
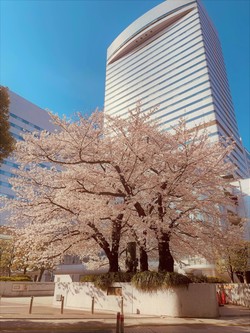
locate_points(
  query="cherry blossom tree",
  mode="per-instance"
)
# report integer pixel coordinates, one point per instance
(97, 183)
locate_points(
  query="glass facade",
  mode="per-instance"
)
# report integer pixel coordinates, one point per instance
(24, 116)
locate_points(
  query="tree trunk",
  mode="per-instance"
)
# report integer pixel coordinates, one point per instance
(166, 261)
(113, 262)
(40, 274)
(111, 252)
(143, 260)
(116, 237)
(131, 260)
(231, 274)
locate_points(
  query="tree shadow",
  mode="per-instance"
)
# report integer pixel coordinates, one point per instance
(23, 326)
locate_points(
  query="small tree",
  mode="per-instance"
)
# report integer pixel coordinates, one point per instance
(6, 256)
(234, 260)
(7, 143)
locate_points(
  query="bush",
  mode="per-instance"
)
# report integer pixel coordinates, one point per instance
(153, 281)
(105, 280)
(197, 278)
(16, 278)
(204, 279)
(175, 279)
(212, 279)
(88, 278)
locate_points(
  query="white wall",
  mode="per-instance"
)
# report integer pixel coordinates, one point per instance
(198, 300)
(22, 289)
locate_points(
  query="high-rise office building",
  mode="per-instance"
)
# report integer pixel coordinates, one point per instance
(171, 57)
(24, 116)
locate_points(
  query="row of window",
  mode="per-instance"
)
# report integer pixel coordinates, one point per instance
(183, 92)
(16, 136)
(224, 97)
(11, 164)
(166, 78)
(9, 196)
(238, 156)
(218, 71)
(156, 99)
(155, 59)
(116, 66)
(25, 121)
(218, 67)
(6, 173)
(182, 107)
(187, 113)
(148, 25)
(18, 127)
(152, 70)
(224, 114)
(172, 83)
(162, 91)
(5, 184)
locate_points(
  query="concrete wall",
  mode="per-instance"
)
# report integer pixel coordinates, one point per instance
(17, 289)
(197, 300)
(236, 293)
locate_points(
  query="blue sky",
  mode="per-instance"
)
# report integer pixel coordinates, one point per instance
(53, 53)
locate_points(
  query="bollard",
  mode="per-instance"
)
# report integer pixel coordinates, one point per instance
(62, 304)
(118, 322)
(92, 305)
(121, 305)
(122, 324)
(31, 304)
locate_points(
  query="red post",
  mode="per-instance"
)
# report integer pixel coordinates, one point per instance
(219, 298)
(122, 324)
(223, 297)
(118, 317)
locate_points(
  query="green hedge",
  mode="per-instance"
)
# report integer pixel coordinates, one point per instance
(148, 281)
(145, 281)
(153, 281)
(15, 278)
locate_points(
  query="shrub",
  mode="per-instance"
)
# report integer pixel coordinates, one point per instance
(105, 280)
(148, 281)
(175, 279)
(205, 279)
(153, 281)
(212, 279)
(197, 278)
(88, 278)
(16, 278)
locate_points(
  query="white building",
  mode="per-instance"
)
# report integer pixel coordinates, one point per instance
(24, 116)
(171, 57)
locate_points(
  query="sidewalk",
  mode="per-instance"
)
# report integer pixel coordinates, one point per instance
(18, 310)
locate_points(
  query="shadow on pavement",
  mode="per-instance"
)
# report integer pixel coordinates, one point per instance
(23, 326)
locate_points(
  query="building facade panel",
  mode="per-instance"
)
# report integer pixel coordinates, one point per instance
(24, 116)
(171, 58)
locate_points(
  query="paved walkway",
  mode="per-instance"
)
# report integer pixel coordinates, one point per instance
(14, 316)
